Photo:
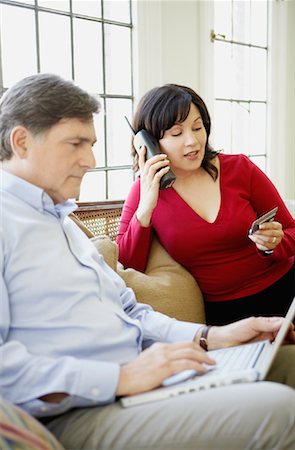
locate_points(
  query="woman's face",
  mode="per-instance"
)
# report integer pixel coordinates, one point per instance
(184, 143)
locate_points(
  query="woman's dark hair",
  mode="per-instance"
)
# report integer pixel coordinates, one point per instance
(40, 101)
(161, 107)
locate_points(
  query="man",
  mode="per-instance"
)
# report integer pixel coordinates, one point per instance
(72, 334)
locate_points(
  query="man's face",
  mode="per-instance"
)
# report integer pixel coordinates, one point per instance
(58, 159)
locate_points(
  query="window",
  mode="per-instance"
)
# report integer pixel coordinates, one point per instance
(240, 39)
(91, 43)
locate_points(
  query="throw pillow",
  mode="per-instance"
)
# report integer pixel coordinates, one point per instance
(20, 431)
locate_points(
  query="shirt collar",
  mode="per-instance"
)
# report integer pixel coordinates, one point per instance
(34, 196)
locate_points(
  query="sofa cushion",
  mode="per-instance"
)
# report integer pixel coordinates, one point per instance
(165, 285)
(108, 249)
(20, 431)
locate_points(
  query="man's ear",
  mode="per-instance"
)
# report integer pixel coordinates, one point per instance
(18, 141)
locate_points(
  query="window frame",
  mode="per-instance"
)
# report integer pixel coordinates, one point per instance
(217, 37)
(104, 95)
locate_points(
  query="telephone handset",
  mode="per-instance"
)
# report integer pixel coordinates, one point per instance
(152, 149)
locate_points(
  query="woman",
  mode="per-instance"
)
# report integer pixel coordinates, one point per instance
(204, 219)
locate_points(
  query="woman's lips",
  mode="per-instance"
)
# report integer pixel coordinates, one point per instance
(192, 155)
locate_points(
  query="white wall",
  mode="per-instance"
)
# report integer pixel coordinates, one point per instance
(173, 46)
(170, 39)
(282, 98)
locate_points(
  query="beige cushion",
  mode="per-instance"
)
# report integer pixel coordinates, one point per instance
(165, 285)
(108, 249)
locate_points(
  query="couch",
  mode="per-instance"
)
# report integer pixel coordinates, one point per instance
(165, 285)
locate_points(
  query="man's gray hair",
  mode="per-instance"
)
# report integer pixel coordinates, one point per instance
(40, 101)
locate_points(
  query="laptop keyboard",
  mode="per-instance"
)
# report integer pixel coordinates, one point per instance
(236, 358)
(228, 360)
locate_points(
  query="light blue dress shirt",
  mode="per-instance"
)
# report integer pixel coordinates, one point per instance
(67, 321)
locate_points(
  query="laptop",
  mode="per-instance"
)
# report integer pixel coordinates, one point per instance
(240, 364)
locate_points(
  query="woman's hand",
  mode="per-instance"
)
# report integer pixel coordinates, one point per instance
(158, 362)
(248, 330)
(151, 172)
(268, 237)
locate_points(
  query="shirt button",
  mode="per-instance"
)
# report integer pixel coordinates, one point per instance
(95, 392)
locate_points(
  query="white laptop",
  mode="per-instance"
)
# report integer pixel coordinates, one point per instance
(240, 364)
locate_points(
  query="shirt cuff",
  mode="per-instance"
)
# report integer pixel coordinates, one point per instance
(183, 331)
(98, 381)
(94, 383)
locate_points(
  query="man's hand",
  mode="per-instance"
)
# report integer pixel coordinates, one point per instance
(158, 362)
(247, 330)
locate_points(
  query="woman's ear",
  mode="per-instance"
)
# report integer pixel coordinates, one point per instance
(18, 141)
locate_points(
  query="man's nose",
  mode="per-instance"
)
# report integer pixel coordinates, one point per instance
(88, 158)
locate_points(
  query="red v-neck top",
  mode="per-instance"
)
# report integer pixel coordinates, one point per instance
(221, 257)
